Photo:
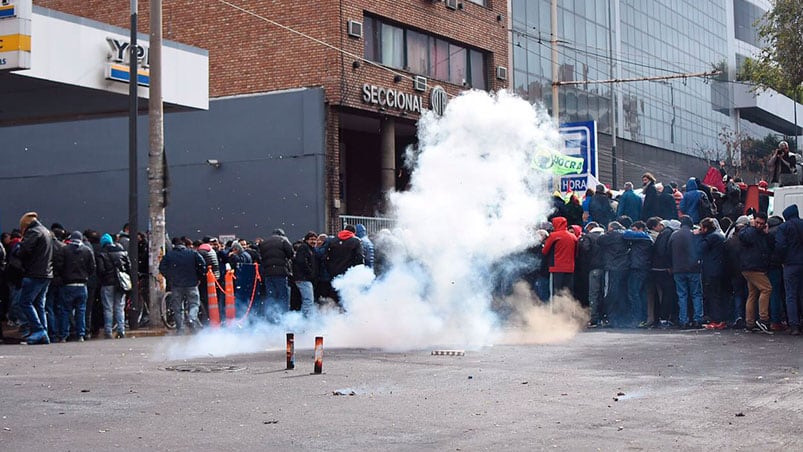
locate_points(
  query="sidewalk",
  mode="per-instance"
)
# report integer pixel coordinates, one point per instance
(11, 335)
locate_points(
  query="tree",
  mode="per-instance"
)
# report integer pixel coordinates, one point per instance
(779, 65)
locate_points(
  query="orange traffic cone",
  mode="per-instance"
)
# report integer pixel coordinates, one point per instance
(230, 312)
(214, 310)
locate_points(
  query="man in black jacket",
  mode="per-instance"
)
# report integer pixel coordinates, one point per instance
(305, 271)
(184, 269)
(685, 248)
(754, 262)
(36, 254)
(614, 252)
(345, 251)
(666, 296)
(590, 253)
(74, 264)
(276, 253)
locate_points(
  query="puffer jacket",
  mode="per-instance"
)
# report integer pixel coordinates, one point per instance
(75, 263)
(690, 204)
(685, 251)
(276, 253)
(756, 250)
(714, 253)
(614, 251)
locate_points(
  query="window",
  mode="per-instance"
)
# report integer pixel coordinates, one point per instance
(424, 54)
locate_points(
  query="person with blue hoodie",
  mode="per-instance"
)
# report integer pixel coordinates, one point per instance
(690, 204)
(112, 259)
(789, 247)
(640, 261)
(367, 245)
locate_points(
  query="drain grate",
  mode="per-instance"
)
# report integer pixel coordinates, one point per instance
(204, 368)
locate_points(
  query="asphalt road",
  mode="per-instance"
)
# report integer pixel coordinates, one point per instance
(603, 390)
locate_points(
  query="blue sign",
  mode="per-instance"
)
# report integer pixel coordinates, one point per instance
(579, 139)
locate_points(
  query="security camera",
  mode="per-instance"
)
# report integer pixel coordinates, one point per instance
(214, 163)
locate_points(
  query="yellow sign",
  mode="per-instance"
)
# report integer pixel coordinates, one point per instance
(13, 43)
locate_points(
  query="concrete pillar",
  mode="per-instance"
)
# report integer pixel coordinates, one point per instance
(387, 139)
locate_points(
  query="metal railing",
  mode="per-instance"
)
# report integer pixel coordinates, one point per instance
(372, 224)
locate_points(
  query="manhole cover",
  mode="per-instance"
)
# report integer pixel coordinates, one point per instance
(204, 368)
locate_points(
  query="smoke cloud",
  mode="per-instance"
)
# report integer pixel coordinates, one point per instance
(472, 206)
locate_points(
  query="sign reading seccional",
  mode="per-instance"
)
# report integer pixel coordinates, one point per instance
(15, 34)
(579, 140)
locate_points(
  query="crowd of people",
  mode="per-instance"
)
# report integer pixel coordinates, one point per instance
(58, 286)
(672, 258)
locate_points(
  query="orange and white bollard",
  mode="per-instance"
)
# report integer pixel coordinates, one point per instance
(230, 311)
(211, 290)
(318, 354)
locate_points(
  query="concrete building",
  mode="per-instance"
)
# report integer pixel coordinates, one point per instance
(311, 107)
(669, 127)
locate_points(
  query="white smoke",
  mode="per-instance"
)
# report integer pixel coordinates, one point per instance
(474, 199)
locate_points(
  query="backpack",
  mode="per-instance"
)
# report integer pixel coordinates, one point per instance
(705, 207)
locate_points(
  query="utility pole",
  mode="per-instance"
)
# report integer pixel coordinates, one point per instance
(156, 181)
(133, 213)
(555, 75)
(614, 166)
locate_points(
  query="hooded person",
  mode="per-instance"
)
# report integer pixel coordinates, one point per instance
(789, 248)
(690, 204)
(75, 264)
(640, 245)
(367, 245)
(614, 251)
(36, 256)
(111, 260)
(600, 209)
(560, 248)
(713, 253)
(344, 251)
(685, 252)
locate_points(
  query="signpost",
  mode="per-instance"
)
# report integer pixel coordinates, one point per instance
(15, 34)
(579, 140)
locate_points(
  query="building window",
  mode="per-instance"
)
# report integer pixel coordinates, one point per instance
(424, 54)
(480, 2)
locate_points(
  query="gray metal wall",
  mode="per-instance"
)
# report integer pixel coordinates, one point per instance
(270, 147)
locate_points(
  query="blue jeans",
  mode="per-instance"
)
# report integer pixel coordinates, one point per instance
(15, 309)
(190, 296)
(112, 298)
(72, 298)
(616, 298)
(51, 310)
(689, 285)
(307, 297)
(739, 289)
(637, 296)
(32, 303)
(792, 277)
(277, 301)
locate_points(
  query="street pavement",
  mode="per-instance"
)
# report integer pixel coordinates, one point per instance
(601, 390)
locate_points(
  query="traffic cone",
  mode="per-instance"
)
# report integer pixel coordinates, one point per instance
(211, 290)
(230, 311)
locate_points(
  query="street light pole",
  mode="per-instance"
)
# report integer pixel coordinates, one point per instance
(156, 159)
(133, 227)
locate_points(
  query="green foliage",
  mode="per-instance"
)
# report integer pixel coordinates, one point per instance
(779, 65)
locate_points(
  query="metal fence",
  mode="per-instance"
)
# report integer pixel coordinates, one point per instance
(372, 224)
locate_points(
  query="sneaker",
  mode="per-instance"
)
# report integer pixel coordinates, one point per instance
(762, 326)
(794, 331)
(592, 324)
(710, 325)
(739, 324)
(645, 324)
(108, 336)
(778, 326)
(720, 326)
(120, 335)
(80, 338)
(666, 324)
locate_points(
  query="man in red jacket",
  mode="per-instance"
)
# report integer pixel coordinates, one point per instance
(561, 244)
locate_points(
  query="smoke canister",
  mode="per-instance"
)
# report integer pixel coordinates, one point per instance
(291, 351)
(318, 354)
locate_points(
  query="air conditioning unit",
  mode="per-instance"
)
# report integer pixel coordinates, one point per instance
(501, 73)
(453, 4)
(355, 29)
(420, 83)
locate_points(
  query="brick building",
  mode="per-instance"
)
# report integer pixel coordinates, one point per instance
(337, 86)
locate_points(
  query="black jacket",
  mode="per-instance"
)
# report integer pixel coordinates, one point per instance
(756, 250)
(36, 251)
(650, 207)
(345, 251)
(75, 263)
(276, 253)
(182, 267)
(600, 210)
(685, 248)
(111, 259)
(667, 208)
(589, 250)
(640, 254)
(714, 253)
(614, 251)
(661, 252)
(305, 267)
